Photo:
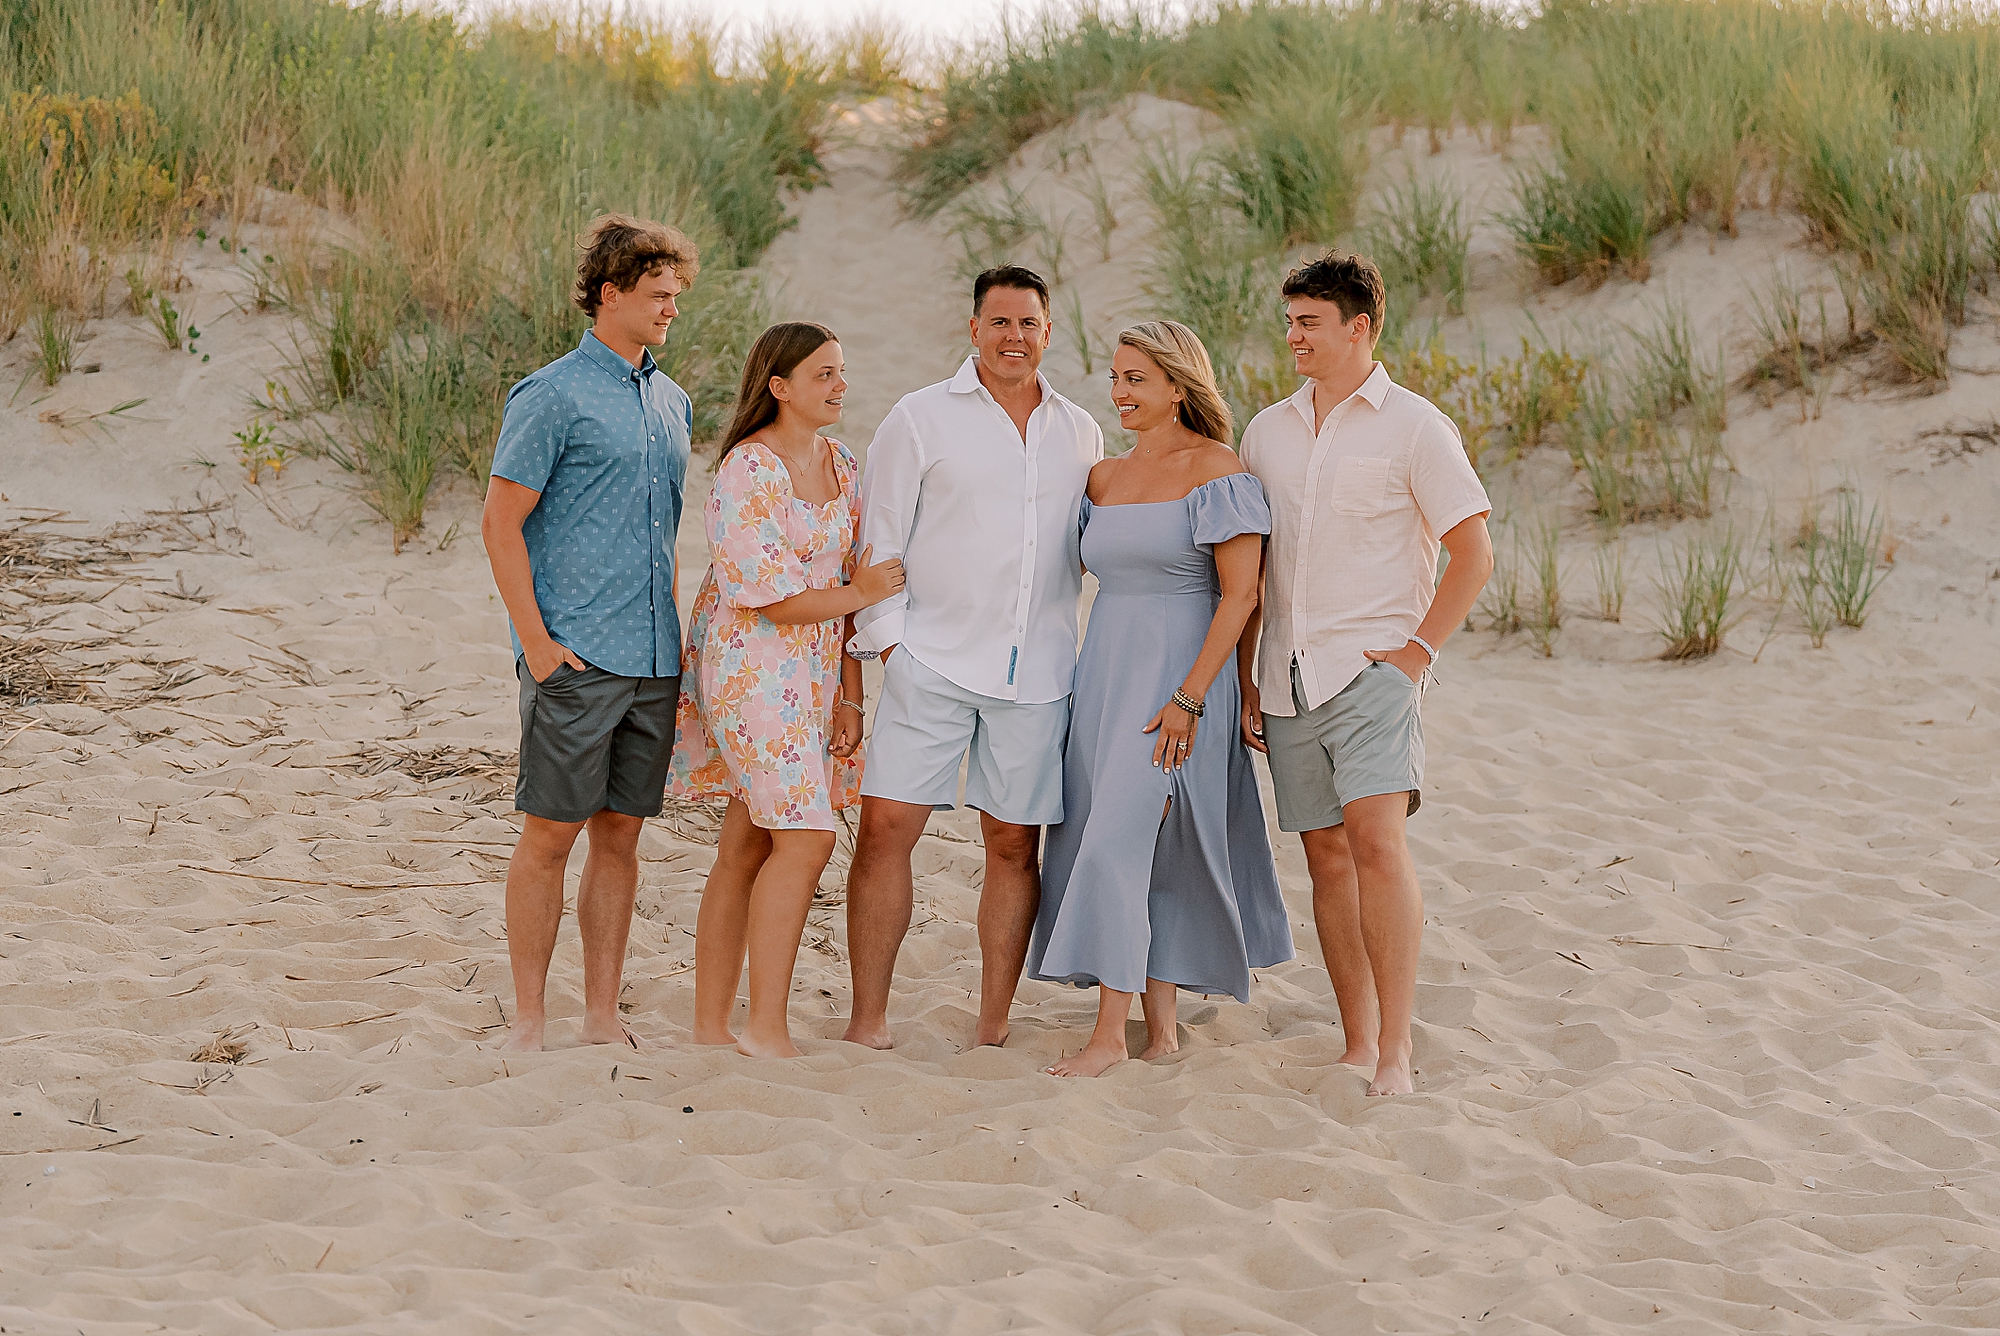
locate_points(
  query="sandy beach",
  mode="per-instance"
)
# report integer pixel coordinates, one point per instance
(1708, 1030)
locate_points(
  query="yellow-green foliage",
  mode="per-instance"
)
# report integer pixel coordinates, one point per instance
(1503, 408)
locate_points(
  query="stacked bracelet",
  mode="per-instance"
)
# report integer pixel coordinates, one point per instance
(1189, 703)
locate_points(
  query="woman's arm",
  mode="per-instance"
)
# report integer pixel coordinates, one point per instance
(1237, 561)
(1246, 669)
(871, 585)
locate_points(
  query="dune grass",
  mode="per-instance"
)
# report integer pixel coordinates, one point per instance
(464, 157)
(1698, 588)
(1877, 122)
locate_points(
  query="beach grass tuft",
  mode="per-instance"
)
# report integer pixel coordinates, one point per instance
(1698, 587)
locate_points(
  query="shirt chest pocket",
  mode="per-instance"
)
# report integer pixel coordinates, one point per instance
(1361, 486)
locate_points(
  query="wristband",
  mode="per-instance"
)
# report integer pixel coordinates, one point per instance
(1419, 640)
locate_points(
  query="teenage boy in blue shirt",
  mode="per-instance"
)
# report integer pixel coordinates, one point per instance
(580, 522)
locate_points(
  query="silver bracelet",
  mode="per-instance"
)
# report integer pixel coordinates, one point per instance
(1427, 649)
(850, 705)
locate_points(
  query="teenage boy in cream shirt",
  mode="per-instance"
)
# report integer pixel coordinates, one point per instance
(1366, 479)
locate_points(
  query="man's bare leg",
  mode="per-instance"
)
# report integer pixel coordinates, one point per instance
(604, 899)
(1007, 903)
(1106, 1048)
(534, 913)
(1337, 919)
(1392, 926)
(722, 925)
(880, 893)
(779, 903)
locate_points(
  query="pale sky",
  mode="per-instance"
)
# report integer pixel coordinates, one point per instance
(947, 22)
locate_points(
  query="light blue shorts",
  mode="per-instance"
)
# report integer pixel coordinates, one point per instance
(924, 726)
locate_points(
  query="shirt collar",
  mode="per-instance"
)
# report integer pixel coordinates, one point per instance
(594, 348)
(1375, 389)
(967, 381)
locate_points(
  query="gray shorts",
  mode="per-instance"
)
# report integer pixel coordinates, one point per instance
(925, 724)
(593, 740)
(1368, 740)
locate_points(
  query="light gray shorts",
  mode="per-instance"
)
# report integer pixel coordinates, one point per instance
(1368, 740)
(924, 726)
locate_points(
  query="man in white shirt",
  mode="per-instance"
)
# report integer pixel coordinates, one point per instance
(1365, 480)
(976, 483)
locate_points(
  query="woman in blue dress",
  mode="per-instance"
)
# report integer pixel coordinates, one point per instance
(1160, 876)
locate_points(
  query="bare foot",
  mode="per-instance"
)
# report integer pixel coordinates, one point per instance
(523, 1037)
(1392, 1079)
(714, 1040)
(1359, 1056)
(751, 1046)
(1165, 1046)
(985, 1035)
(1092, 1061)
(868, 1036)
(613, 1031)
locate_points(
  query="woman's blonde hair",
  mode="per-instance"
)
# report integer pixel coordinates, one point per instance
(1179, 353)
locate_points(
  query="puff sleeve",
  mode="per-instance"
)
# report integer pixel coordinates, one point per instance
(1228, 507)
(756, 561)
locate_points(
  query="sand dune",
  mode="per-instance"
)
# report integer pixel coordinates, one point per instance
(1709, 1038)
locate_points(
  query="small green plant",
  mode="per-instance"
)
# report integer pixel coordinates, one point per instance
(259, 450)
(1581, 224)
(1853, 554)
(994, 233)
(1795, 345)
(1078, 329)
(1607, 563)
(56, 334)
(1501, 599)
(165, 319)
(1539, 391)
(1420, 239)
(1809, 582)
(1101, 213)
(1546, 622)
(1697, 588)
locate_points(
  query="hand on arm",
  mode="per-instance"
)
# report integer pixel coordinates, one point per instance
(873, 582)
(1237, 562)
(1471, 549)
(508, 505)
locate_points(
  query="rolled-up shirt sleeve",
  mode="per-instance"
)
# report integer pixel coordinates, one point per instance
(889, 487)
(1443, 482)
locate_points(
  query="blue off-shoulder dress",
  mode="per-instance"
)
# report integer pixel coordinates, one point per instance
(1192, 899)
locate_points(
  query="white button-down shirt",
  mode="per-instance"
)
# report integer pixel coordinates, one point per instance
(986, 525)
(1357, 508)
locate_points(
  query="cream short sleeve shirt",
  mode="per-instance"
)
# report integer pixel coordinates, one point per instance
(1357, 508)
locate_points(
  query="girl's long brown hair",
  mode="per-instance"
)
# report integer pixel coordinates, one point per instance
(777, 352)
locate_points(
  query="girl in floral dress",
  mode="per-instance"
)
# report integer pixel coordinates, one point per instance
(770, 713)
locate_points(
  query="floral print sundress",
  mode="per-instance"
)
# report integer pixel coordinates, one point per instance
(757, 697)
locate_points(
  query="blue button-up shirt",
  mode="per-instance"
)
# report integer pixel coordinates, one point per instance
(606, 444)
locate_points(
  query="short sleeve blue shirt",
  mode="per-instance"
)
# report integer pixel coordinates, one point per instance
(606, 444)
